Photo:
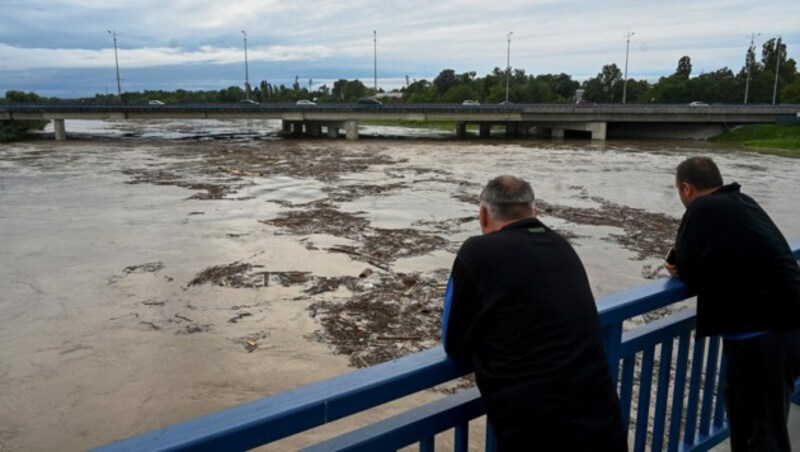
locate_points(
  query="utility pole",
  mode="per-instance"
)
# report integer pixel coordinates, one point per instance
(749, 64)
(627, 50)
(375, 59)
(246, 70)
(508, 63)
(116, 60)
(777, 67)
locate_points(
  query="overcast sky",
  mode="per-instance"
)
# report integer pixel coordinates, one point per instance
(63, 48)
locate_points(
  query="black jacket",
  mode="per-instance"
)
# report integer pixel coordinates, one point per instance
(520, 310)
(737, 261)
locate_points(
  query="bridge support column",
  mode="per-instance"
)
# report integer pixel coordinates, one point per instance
(461, 129)
(598, 130)
(60, 130)
(333, 132)
(556, 133)
(485, 130)
(351, 129)
(297, 128)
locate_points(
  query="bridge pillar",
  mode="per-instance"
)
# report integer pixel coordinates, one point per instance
(60, 130)
(333, 132)
(485, 130)
(297, 128)
(598, 130)
(461, 129)
(556, 133)
(351, 129)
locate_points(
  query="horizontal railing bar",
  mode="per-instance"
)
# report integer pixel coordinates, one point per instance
(657, 331)
(266, 420)
(620, 306)
(405, 428)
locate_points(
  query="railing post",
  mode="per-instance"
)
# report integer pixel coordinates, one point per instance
(612, 338)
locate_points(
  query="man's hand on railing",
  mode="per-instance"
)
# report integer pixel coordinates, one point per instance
(672, 269)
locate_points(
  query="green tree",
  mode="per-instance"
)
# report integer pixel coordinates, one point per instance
(444, 81)
(13, 96)
(562, 85)
(421, 91)
(459, 93)
(684, 67)
(670, 90)
(606, 87)
(231, 94)
(349, 90)
(15, 130)
(718, 86)
(790, 93)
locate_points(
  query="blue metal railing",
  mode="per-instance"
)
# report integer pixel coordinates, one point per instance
(670, 399)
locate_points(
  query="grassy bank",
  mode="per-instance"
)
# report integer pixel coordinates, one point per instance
(765, 138)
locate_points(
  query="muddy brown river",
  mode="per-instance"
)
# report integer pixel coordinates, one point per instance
(155, 272)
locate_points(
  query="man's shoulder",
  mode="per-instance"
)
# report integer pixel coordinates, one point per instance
(512, 237)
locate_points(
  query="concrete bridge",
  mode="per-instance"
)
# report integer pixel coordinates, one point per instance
(597, 122)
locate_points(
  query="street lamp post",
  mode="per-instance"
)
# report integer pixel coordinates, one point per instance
(777, 68)
(508, 63)
(627, 50)
(116, 61)
(749, 65)
(246, 70)
(375, 60)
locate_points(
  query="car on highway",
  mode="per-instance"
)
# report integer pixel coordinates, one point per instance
(698, 103)
(248, 102)
(369, 101)
(305, 102)
(470, 102)
(506, 102)
(155, 102)
(585, 103)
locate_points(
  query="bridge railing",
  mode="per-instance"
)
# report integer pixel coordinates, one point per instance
(669, 382)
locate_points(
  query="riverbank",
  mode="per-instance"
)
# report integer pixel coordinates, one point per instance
(782, 140)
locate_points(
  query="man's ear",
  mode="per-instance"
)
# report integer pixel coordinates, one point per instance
(483, 218)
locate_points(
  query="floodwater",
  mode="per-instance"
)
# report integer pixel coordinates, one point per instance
(108, 329)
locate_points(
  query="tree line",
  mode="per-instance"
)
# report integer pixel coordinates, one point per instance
(756, 77)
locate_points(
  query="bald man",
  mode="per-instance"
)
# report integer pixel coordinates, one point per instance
(519, 310)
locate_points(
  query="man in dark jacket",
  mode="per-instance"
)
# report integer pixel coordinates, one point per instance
(733, 256)
(520, 311)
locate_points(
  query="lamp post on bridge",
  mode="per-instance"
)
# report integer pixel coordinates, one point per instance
(116, 61)
(375, 61)
(749, 64)
(627, 50)
(246, 70)
(777, 68)
(508, 63)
